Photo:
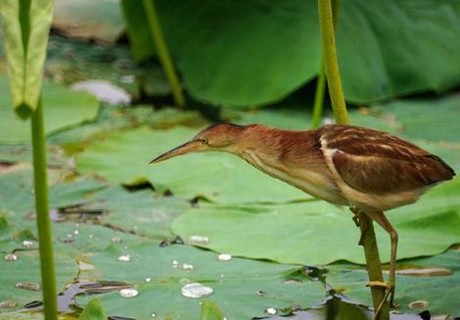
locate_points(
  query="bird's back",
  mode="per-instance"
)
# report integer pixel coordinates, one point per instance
(378, 164)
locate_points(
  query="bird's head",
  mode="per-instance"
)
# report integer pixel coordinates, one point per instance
(224, 137)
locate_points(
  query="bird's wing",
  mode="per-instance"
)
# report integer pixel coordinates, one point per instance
(375, 162)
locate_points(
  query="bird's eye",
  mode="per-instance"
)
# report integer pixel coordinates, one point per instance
(205, 141)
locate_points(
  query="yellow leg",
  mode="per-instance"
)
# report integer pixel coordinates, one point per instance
(382, 220)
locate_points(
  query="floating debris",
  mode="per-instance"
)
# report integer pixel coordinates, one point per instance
(28, 244)
(84, 266)
(116, 240)
(128, 293)
(148, 279)
(261, 293)
(153, 315)
(8, 304)
(187, 267)
(291, 281)
(426, 272)
(124, 258)
(198, 240)
(418, 304)
(196, 290)
(32, 286)
(11, 257)
(270, 311)
(224, 257)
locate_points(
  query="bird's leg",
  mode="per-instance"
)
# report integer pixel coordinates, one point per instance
(382, 220)
(356, 218)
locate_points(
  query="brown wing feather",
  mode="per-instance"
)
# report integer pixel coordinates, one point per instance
(377, 162)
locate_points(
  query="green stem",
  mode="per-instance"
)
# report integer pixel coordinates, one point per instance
(331, 64)
(319, 97)
(163, 53)
(43, 218)
(374, 266)
(369, 241)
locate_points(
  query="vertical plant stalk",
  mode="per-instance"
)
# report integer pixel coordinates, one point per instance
(163, 53)
(331, 65)
(318, 104)
(371, 252)
(319, 96)
(43, 218)
(369, 241)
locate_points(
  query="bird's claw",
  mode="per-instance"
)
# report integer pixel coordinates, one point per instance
(389, 289)
(380, 284)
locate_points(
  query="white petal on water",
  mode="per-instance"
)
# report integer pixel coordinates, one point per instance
(148, 279)
(128, 293)
(195, 290)
(124, 258)
(11, 257)
(224, 257)
(104, 91)
(8, 304)
(198, 240)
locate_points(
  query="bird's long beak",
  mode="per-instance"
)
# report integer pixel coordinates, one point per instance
(190, 146)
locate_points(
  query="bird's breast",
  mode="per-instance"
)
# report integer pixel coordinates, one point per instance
(314, 180)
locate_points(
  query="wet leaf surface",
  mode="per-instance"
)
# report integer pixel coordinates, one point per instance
(241, 288)
(26, 270)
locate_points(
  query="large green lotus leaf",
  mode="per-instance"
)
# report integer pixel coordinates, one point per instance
(140, 212)
(440, 291)
(124, 157)
(254, 52)
(80, 240)
(27, 269)
(18, 315)
(239, 53)
(16, 194)
(431, 119)
(241, 288)
(82, 201)
(318, 233)
(63, 108)
(394, 48)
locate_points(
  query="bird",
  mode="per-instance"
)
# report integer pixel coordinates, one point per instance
(366, 170)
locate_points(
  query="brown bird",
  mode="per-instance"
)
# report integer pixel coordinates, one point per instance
(367, 170)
